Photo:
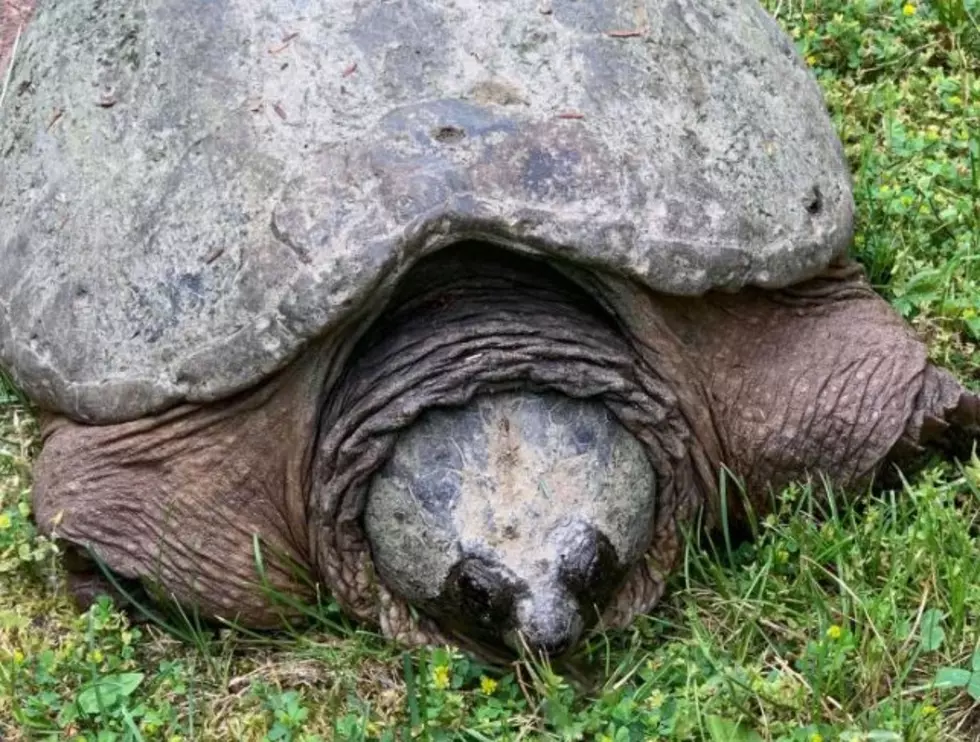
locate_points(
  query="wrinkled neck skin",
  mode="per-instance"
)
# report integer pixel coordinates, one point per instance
(771, 385)
(468, 328)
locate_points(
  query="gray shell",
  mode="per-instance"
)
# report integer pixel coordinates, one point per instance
(190, 192)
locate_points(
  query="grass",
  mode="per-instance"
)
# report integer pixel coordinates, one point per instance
(834, 623)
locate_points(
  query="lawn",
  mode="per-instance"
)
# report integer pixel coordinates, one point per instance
(837, 622)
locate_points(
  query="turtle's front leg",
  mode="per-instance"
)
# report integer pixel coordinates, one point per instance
(202, 504)
(823, 377)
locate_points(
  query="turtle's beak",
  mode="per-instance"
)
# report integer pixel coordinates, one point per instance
(546, 622)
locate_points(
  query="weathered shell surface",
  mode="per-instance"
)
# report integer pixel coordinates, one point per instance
(190, 191)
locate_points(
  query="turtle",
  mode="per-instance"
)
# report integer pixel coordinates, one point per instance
(462, 313)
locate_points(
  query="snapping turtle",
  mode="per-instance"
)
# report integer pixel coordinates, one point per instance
(457, 309)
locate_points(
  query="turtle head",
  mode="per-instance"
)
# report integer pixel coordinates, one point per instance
(512, 521)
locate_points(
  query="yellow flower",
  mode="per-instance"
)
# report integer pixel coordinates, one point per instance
(488, 685)
(18, 657)
(812, 60)
(95, 656)
(928, 710)
(440, 677)
(656, 700)
(834, 632)
(150, 726)
(4, 521)
(816, 737)
(908, 9)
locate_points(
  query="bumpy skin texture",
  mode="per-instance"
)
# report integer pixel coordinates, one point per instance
(260, 191)
(177, 499)
(772, 384)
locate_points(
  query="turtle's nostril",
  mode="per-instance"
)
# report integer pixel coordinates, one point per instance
(548, 623)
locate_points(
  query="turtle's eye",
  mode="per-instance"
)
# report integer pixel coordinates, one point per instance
(485, 593)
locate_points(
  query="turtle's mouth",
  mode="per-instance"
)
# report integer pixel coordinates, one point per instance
(467, 322)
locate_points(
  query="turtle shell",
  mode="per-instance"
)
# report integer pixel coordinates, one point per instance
(190, 192)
